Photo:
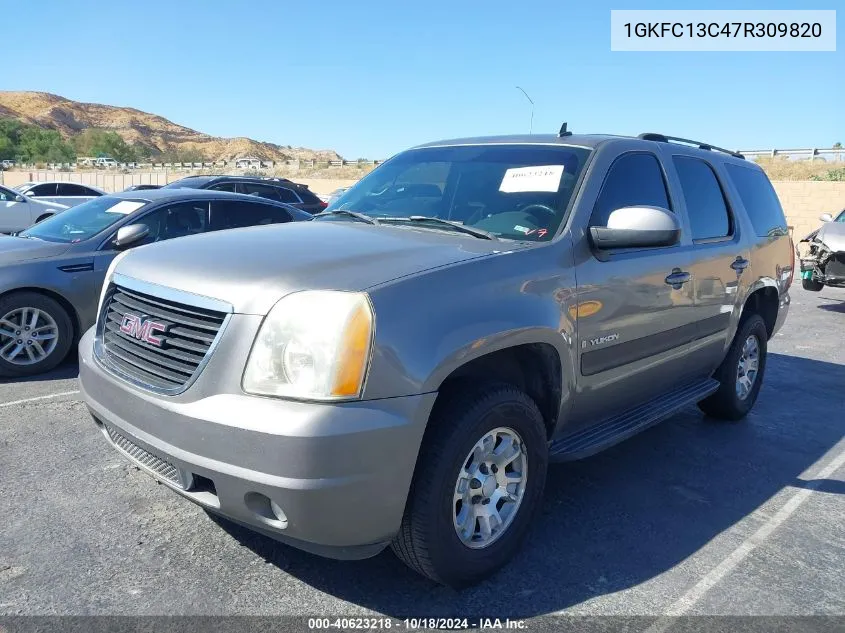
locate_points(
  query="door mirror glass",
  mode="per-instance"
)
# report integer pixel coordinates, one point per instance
(129, 235)
(637, 227)
(826, 217)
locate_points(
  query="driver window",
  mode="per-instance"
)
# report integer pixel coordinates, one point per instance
(633, 179)
(6, 195)
(177, 220)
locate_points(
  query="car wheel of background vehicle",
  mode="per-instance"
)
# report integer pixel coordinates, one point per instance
(740, 375)
(35, 334)
(478, 484)
(811, 284)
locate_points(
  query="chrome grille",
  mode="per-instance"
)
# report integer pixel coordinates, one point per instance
(150, 461)
(185, 337)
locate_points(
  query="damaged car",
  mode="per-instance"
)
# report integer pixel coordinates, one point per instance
(824, 262)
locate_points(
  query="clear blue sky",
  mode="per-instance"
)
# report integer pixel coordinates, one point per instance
(369, 78)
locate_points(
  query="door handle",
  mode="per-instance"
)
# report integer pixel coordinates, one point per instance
(739, 264)
(677, 278)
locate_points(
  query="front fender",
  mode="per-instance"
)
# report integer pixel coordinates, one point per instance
(430, 325)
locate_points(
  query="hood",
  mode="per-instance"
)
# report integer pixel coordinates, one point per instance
(253, 268)
(14, 250)
(832, 235)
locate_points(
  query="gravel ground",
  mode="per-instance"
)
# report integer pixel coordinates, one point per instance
(691, 517)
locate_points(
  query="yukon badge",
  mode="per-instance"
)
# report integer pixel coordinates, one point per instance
(592, 342)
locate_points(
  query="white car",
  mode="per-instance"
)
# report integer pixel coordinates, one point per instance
(67, 194)
(19, 211)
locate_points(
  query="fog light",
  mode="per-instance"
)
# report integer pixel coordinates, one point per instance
(266, 510)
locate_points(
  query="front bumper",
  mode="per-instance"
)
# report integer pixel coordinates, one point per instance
(331, 479)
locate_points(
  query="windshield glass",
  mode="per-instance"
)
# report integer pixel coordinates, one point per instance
(511, 191)
(83, 221)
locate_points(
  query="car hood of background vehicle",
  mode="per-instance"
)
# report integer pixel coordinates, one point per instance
(832, 235)
(14, 250)
(253, 268)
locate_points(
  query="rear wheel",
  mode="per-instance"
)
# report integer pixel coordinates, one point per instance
(35, 334)
(812, 285)
(478, 483)
(740, 375)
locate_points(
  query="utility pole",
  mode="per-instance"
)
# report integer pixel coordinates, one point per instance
(531, 125)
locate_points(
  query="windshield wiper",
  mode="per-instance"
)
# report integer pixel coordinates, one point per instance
(352, 214)
(455, 226)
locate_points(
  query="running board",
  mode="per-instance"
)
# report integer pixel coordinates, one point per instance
(620, 427)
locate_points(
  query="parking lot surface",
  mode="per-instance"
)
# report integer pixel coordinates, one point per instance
(690, 517)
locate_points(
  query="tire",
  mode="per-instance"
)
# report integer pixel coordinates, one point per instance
(44, 217)
(812, 285)
(727, 403)
(428, 540)
(51, 310)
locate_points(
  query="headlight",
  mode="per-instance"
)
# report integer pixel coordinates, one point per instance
(313, 344)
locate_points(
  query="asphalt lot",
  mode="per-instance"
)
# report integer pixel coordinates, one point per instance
(690, 517)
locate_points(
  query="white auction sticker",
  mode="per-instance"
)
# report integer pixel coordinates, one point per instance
(125, 207)
(524, 179)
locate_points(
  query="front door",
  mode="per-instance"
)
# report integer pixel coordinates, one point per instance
(635, 307)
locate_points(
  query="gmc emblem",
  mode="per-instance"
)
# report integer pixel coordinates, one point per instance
(142, 329)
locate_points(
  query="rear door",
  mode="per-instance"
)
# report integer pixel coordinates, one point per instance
(70, 194)
(719, 260)
(635, 314)
(14, 216)
(233, 214)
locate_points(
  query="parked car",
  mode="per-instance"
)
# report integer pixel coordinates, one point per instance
(51, 274)
(142, 187)
(68, 194)
(7, 164)
(18, 211)
(337, 193)
(824, 262)
(280, 189)
(104, 162)
(401, 370)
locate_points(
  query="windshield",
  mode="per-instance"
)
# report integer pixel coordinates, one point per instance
(83, 221)
(510, 191)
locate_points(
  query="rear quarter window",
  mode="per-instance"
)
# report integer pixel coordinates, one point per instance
(759, 199)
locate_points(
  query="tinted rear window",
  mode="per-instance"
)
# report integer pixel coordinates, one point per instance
(706, 208)
(759, 199)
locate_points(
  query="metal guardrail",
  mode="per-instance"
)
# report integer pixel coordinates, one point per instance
(268, 164)
(811, 153)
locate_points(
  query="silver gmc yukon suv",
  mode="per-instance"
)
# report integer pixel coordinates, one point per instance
(401, 370)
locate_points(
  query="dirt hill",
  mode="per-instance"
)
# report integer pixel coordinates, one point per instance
(148, 130)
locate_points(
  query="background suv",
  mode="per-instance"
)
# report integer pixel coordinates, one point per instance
(279, 189)
(400, 370)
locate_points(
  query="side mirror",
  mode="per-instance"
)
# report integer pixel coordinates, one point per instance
(129, 235)
(826, 217)
(637, 227)
(20, 198)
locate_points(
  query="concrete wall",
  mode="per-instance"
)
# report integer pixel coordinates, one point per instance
(804, 201)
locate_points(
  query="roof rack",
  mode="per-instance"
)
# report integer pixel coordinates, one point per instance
(662, 138)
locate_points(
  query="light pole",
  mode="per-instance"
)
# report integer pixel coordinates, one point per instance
(531, 125)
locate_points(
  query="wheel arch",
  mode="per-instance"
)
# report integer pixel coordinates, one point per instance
(58, 297)
(764, 299)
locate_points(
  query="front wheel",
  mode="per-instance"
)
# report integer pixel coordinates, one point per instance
(36, 334)
(811, 285)
(479, 482)
(740, 375)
